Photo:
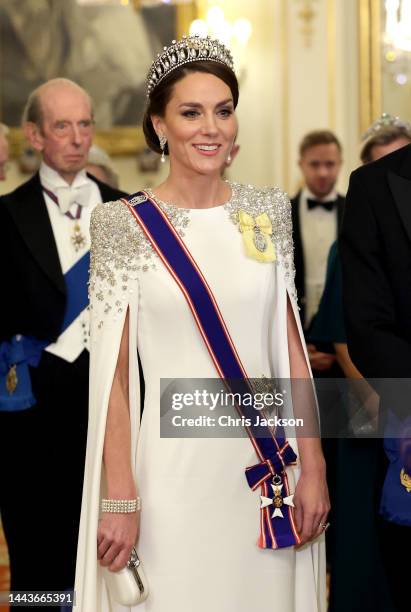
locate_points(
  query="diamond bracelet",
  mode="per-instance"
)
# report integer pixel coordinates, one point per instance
(123, 506)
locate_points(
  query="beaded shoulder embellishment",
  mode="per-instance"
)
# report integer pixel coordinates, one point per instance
(120, 249)
(114, 227)
(276, 204)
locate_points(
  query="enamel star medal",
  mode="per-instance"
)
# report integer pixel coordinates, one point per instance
(277, 500)
(78, 239)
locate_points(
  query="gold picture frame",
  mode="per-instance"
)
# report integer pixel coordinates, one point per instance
(119, 140)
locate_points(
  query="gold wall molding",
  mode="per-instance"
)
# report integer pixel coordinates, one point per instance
(332, 62)
(307, 15)
(186, 13)
(285, 96)
(369, 21)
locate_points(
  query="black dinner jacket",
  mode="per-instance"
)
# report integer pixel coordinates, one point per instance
(298, 247)
(375, 247)
(33, 289)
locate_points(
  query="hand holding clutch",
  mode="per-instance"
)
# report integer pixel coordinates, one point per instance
(128, 586)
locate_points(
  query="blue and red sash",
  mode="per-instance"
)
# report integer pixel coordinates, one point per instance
(273, 451)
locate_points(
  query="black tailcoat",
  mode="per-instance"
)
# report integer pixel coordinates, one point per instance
(299, 249)
(42, 449)
(375, 247)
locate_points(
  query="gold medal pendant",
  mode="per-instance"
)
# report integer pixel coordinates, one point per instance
(405, 480)
(78, 239)
(12, 380)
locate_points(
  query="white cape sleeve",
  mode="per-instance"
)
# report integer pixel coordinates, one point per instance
(280, 353)
(113, 291)
(284, 246)
(313, 555)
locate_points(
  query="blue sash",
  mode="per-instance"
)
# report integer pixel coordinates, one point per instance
(395, 503)
(76, 280)
(23, 351)
(277, 523)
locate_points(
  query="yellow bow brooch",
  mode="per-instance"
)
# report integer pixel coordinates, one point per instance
(256, 236)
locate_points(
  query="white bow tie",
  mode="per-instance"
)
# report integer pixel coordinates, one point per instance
(72, 197)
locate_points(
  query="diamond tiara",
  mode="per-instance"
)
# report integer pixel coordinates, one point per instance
(384, 122)
(188, 49)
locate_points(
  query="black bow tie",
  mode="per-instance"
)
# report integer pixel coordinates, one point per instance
(326, 205)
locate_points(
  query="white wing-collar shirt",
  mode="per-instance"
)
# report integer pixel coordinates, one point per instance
(85, 192)
(318, 232)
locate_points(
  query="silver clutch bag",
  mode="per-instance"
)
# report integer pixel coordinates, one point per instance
(128, 586)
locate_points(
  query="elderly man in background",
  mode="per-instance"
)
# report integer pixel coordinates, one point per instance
(4, 150)
(44, 340)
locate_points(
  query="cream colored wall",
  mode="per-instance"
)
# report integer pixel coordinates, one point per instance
(287, 89)
(14, 178)
(131, 179)
(321, 83)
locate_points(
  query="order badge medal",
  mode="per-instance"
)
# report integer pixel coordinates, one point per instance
(260, 241)
(257, 236)
(78, 239)
(12, 380)
(277, 500)
(405, 480)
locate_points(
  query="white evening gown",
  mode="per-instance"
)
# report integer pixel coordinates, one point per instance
(199, 520)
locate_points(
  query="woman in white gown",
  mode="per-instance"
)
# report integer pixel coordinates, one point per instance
(197, 530)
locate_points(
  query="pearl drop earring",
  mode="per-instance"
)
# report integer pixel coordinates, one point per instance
(163, 142)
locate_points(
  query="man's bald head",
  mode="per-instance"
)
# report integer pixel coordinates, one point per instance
(58, 122)
(35, 110)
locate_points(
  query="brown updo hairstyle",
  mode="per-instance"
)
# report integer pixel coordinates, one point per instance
(161, 94)
(385, 137)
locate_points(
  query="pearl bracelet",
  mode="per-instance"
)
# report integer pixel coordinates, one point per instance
(123, 506)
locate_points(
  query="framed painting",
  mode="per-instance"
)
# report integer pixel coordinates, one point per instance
(106, 46)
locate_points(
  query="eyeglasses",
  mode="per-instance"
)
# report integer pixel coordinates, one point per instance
(64, 128)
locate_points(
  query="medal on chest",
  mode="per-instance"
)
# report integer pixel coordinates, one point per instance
(12, 379)
(78, 239)
(405, 480)
(257, 236)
